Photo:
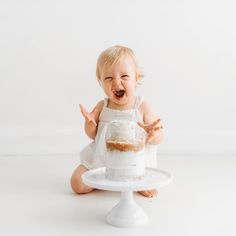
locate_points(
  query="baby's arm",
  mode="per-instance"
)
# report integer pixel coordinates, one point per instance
(91, 119)
(150, 118)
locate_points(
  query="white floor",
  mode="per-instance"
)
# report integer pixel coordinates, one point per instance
(36, 199)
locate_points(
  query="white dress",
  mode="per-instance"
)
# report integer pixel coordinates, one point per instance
(93, 155)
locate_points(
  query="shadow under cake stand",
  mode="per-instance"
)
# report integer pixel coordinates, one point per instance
(127, 213)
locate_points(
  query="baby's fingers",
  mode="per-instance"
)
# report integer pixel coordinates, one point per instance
(141, 124)
(93, 121)
(88, 117)
(83, 111)
(158, 128)
(94, 110)
(154, 123)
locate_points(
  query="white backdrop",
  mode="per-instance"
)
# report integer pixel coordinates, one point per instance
(48, 52)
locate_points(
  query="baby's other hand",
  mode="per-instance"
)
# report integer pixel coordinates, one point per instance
(89, 116)
(151, 129)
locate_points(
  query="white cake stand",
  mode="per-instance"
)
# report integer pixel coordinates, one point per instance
(127, 213)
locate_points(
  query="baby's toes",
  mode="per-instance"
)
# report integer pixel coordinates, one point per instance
(149, 193)
(144, 193)
(153, 192)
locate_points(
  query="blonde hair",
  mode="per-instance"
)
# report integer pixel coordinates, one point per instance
(112, 55)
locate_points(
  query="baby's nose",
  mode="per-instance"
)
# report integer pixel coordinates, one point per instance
(116, 81)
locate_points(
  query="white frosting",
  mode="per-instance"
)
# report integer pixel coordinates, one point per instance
(122, 130)
(125, 166)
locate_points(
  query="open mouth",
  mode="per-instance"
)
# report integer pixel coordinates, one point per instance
(119, 93)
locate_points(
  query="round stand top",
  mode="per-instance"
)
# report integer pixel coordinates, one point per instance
(154, 178)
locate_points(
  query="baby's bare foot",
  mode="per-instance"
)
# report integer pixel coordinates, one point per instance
(149, 193)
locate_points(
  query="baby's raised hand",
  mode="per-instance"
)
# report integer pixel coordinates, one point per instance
(151, 129)
(89, 116)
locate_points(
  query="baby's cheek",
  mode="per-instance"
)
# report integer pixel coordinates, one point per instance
(106, 89)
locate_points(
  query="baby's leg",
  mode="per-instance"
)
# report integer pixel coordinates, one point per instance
(76, 181)
(149, 193)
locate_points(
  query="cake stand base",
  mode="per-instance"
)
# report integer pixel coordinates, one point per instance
(126, 213)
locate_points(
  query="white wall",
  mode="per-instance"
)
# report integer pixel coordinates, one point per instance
(48, 52)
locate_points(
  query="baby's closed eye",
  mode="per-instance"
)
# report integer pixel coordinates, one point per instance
(125, 76)
(108, 78)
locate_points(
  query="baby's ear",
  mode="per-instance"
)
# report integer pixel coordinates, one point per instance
(139, 77)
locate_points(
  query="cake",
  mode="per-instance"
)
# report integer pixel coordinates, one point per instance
(125, 152)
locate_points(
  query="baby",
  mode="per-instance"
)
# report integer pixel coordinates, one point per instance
(118, 74)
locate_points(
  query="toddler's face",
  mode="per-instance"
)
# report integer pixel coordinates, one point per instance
(119, 81)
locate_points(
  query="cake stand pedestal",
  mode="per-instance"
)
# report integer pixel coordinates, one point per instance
(127, 213)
